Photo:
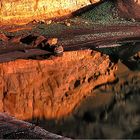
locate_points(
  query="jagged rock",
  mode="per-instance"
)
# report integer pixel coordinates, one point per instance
(24, 11)
(52, 88)
(129, 9)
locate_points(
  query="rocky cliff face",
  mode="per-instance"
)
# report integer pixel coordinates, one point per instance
(52, 88)
(24, 11)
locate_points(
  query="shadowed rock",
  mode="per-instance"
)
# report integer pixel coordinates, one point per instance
(11, 128)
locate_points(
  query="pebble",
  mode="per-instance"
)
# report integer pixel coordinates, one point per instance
(133, 20)
(58, 50)
(67, 24)
(49, 22)
(52, 41)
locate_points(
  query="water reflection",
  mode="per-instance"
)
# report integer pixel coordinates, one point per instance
(127, 53)
(111, 110)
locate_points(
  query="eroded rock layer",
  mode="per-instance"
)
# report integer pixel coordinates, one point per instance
(24, 11)
(52, 88)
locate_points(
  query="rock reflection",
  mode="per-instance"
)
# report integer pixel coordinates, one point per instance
(110, 111)
(52, 88)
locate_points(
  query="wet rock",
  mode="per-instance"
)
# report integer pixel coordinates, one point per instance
(51, 88)
(49, 22)
(67, 24)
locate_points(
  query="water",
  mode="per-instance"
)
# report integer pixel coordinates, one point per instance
(110, 111)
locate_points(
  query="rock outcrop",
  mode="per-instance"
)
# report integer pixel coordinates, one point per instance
(24, 11)
(52, 88)
(129, 9)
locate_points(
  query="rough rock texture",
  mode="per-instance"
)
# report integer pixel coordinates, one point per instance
(129, 9)
(52, 88)
(11, 128)
(23, 11)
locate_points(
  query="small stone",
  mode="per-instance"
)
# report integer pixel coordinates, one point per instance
(67, 24)
(122, 19)
(133, 20)
(49, 22)
(52, 41)
(137, 55)
(58, 50)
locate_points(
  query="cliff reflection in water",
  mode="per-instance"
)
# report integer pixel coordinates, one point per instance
(111, 110)
(51, 88)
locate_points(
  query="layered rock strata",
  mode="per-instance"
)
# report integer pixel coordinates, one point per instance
(52, 88)
(24, 11)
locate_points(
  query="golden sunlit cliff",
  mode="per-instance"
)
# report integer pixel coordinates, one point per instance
(17, 11)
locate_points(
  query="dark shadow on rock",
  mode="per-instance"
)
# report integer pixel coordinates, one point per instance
(127, 53)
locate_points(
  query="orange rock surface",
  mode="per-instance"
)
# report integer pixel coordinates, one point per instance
(24, 11)
(52, 88)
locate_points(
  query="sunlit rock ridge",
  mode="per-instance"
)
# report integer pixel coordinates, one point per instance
(24, 11)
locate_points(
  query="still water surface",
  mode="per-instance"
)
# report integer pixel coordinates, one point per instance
(111, 110)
